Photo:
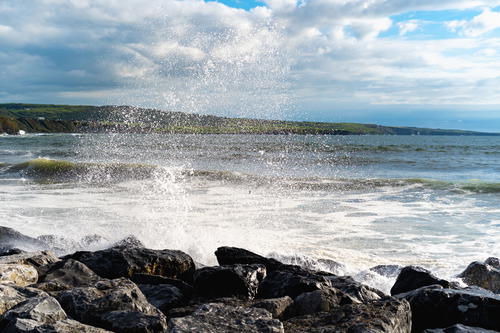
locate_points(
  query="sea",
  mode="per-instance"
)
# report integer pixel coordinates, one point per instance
(336, 203)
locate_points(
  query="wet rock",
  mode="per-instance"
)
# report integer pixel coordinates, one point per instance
(129, 241)
(318, 301)
(164, 296)
(483, 275)
(233, 255)
(66, 274)
(458, 329)
(36, 259)
(291, 281)
(276, 306)
(157, 279)
(414, 277)
(387, 270)
(493, 262)
(11, 295)
(21, 275)
(134, 321)
(226, 319)
(434, 307)
(326, 265)
(359, 293)
(10, 238)
(118, 262)
(92, 305)
(10, 252)
(391, 316)
(233, 280)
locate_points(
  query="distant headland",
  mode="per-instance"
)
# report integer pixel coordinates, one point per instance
(52, 118)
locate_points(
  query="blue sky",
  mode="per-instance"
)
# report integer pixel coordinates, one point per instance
(394, 62)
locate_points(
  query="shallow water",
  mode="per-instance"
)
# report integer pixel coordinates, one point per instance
(359, 200)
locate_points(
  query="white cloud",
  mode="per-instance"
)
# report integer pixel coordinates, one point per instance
(407, 26)
(485, 22)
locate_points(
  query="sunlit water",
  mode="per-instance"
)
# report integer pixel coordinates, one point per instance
(359, 200)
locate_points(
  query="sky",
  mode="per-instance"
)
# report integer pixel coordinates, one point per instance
(392, 62)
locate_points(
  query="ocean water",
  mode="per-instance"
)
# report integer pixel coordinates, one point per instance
(358, 200)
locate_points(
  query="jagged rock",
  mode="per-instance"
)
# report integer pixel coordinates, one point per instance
(129, 241)
(164, 296)
(90, 305)
(226, 319)
(134, 321)
(358, 292)
(36, 259)
(434, 307)
(414, 277)
(157, 279)
(233, 280)
(391, 316)
(66, 274)
(387, 270)
(11, 295)
(42, 314)
(319, 301)
(10, 238)
(21, 275)
(232, 255)
(291, 281)
(458, 329)
(122, 261)
(485, 275)
(276, 306)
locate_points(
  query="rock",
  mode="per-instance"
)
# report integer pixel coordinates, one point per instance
(10, 238)
(67, 274)
(157, 279)
(92, 305)
(21, 275)
(276, 306)
(483, 275)
(93, 241)
(41, 314)
(414, 277)
(11, 295)
(118, 262)
(134, 321)
(493, 262)
(434, 306)
(318, 301)
(35, 259)
(387, 270)
(164, 296)
(233, 255)
(233, 280)
(129, 241)
(10, 252)
(291, 281)
(226, 319)
(458, 329)
(391, 316)
(359, 293)
(326, 265)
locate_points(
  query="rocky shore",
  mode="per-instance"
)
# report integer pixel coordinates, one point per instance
(132, 289)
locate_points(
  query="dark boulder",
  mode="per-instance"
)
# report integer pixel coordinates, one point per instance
(133, 322)
(226, 319)
(319, 301)
(10, 239)
(164, 296)
(383, 316)
(233, 255)
(93, 305)
(434, 307)
(359, 293)
(291, 281)
(278, 307)
(230, 280)
(122, 261)
(321, 264)
(157, 279)
(458, 328)
(387, 270)
(129, 241)
(66, 274)
(414, 277)
(485, 275)
(10, 252)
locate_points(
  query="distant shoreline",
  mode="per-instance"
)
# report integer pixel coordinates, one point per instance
(48, 118)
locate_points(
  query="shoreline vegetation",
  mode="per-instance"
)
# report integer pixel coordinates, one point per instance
(51, 118)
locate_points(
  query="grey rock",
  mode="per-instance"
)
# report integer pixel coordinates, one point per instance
(10, 239)
(291, 281)
(483, 275)
(230, 280)
(276, 306)
(458, 328)
(164, 296)
(36, 259)
(414, 277)
(226, 319)
(358, 292)
(387, 270)
(434, 307)
(390, 316)
(157, 279)
(232, 255)
(318, 301)
(123, 261)
(41, 309)
(493, 262)
(12, 295)
(134, 322)
(129, 241)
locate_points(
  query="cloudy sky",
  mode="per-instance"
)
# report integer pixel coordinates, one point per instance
(396, 62)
